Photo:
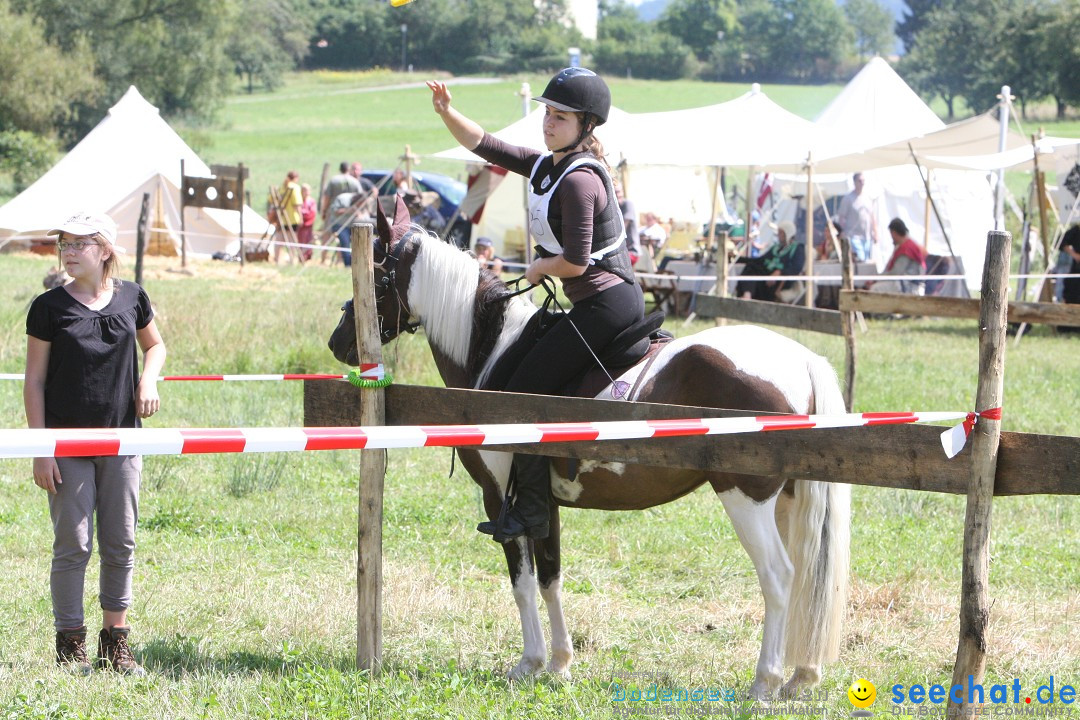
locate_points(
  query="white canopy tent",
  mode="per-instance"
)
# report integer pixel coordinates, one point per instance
(876, 110)
(130, 152)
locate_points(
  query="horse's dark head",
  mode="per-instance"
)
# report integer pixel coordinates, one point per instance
(392, 254)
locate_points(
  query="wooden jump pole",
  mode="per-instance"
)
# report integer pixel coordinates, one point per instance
(372, 462)
(986, 437)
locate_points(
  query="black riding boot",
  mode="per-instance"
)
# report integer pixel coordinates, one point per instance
(529, 513)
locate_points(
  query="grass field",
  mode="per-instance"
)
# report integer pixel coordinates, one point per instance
(244, 587)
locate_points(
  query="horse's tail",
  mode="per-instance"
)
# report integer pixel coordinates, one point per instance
(819, 536)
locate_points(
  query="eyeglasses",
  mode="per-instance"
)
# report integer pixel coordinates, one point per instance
(76, 245)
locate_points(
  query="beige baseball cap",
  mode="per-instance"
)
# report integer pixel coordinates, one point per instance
(84, 223)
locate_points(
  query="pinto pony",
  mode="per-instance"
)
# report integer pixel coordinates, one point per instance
(796, 532)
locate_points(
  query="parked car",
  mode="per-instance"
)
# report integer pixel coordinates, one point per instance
(451, 192)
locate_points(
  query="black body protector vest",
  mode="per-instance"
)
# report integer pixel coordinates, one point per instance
(608, 250)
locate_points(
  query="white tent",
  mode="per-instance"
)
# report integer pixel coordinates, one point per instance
(877, 108)
(130, 152)
(749, 131)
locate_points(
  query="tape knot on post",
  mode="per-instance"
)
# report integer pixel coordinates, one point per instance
(954, 439)
(370, 376)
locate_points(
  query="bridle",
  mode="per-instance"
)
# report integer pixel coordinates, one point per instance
(386, 285)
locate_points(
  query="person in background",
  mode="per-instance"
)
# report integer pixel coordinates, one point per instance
(653, 235)
(485, 255)
(346, 209)
(630, 222)
(859, 220)
(82, 371)
(908, 258)
(1070, 246)
(305, 233)
(426, 216)
(341, 183)
(787, 257)
(289, 202)
(399, 181)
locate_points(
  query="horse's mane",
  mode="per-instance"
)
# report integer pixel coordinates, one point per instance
(452, 296)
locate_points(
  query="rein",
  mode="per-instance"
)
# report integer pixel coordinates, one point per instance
(388, 283)
(617, 391)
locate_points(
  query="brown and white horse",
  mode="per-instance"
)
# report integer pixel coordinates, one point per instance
(796, 532)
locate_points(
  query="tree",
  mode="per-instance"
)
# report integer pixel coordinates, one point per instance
(914, 20)
(793, 40)
(174, 52)
(352, 34)
(269, 38)
(36, 96)
(949, 55)
(1023, 57)
(627, 45)
(1061, 34)
(872, 24)
(700, 24)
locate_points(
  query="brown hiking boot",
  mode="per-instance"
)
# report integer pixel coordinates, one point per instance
(71, 651)
(114, 653)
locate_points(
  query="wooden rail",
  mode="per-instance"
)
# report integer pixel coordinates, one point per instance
(1034, 313)
(901, 456)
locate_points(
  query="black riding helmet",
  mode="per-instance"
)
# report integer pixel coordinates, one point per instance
(579, 90)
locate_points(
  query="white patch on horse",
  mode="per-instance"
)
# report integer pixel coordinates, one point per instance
(441, 292)
(756, 352)
(498, 464)
(565, 488)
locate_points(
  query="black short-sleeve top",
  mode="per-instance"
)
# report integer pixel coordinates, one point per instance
(94, 359)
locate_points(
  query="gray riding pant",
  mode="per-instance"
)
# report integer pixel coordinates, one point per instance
(109, 485)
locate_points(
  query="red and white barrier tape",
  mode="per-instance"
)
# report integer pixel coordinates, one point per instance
(184, 441)
(368, 371)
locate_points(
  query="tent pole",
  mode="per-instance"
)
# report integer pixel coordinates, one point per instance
(926, 218)
(999, 189)
(809, 268)
(183, 226)
(937, 213)
(749, 212)
(526, 95)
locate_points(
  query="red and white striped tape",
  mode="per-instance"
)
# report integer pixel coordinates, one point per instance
(184, 441)
(368, 371)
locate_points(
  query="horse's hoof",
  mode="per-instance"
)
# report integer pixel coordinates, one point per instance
(762, 690)
(526, 668)
(562, 673)
(802, 679)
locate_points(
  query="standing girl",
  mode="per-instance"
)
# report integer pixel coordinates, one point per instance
(575, 219)
(82, 371)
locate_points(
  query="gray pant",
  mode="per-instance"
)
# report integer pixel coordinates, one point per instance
(109, 485)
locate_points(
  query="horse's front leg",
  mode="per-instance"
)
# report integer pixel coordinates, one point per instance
(549, 571)
(519, 563)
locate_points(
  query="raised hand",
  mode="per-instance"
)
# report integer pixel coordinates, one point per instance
(440, 96)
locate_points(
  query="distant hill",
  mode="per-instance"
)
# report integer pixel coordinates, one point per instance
(650, 9)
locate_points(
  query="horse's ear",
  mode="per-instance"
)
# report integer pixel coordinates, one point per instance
(391, 234)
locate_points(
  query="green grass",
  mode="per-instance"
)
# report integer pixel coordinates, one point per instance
(244, 586)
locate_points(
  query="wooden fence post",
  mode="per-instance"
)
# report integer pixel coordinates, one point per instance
(986, 435)
(847, 325)
(372, 462)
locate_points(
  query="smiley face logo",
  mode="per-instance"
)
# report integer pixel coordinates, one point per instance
(862, 695)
